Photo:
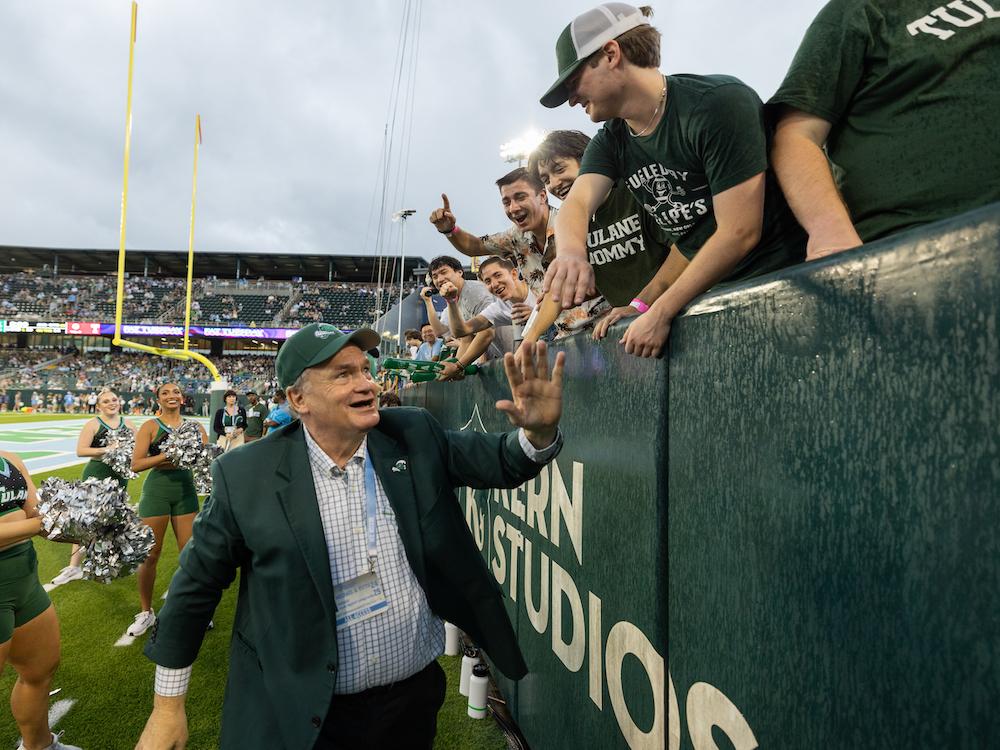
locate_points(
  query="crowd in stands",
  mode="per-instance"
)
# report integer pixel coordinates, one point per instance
(126, 372)
(36, 296)
(32, 296)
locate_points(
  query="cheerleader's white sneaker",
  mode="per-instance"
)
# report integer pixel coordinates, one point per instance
(67, 574)
(56, 744)
(142, 622)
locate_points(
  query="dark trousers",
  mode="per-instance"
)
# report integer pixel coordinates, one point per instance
(401, 716)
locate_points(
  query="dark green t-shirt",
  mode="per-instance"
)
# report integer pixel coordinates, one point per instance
(255, 419)
(625, 247)
(711, 137)
(912, 92)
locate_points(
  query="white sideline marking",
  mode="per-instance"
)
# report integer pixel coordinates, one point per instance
(125, 640)
(59, 710)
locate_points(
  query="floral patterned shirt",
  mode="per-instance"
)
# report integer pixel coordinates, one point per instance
(525, 251)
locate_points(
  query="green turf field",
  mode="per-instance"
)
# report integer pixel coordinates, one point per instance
(112, 687)
(10, 416)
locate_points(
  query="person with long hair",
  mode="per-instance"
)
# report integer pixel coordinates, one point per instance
(230, 422)
(29, 628)
(97, 436)
(168, 494)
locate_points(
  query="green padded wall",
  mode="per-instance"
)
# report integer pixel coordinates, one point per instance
(819, 454)
(584, 539)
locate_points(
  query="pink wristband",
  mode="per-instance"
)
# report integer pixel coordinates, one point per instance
(639, 305)
(453, 230)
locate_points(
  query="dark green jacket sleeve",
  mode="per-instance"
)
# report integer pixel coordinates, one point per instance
(483, 460)
(207, 567)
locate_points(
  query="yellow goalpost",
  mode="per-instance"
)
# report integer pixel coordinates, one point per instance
(184, 353)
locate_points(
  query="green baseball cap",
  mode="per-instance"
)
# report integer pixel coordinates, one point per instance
(314, 345)
(586, 34)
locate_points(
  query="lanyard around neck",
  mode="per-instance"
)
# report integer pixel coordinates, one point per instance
(371, 511)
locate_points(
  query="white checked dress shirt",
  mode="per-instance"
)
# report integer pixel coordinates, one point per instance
(403, 639)
(407, 636)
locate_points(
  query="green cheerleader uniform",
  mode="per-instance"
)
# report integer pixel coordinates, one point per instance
(167, 492)
(97, 469)
(22, 597)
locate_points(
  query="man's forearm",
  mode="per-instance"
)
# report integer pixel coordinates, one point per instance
(805, 178)
(571, 228)
(479, 344)
(466, 243)
(440, 329)
(717, 257)
(545, 316)
(668, 272)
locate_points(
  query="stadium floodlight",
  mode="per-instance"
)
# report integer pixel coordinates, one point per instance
(520, 148)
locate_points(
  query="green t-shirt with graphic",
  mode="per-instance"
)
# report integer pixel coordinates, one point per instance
(711, 138)
(256, 414)
(912, 92)
(625, 247)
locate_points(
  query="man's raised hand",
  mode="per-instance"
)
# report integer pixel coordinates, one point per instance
(442, 218)
(536, 394)
(449, 291)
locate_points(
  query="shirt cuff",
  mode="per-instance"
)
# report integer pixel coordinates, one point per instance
(171, 683)
(544, 455)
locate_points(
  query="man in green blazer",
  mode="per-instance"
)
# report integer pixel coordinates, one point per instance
(352, 547)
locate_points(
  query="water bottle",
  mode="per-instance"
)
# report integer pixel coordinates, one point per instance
(470, 660)
(451, 647)
(478, 684)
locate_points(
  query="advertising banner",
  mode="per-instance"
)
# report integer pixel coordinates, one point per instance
(88, 328)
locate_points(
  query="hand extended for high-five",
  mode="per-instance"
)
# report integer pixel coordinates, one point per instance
(536, 393)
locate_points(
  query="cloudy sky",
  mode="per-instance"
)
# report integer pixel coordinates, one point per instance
(294, 100)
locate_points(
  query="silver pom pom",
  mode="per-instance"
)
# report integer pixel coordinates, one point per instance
(95, 513)
(185, 450)
(119, 551)
(118, 458)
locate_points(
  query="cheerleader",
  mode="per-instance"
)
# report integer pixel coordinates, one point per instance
(29, 629)
(168, 494)
(97, 436)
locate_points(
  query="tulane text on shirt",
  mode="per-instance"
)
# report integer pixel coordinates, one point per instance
(13, 497)
(943, 22)
(617, 241)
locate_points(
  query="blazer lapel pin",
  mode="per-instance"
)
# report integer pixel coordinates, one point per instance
(400, 466)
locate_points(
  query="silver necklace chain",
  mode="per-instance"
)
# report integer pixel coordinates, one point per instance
(663, 98)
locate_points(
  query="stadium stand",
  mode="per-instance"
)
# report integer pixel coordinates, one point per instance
(40, 362)
(341, 304)
(51, 371)
(29, 296)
